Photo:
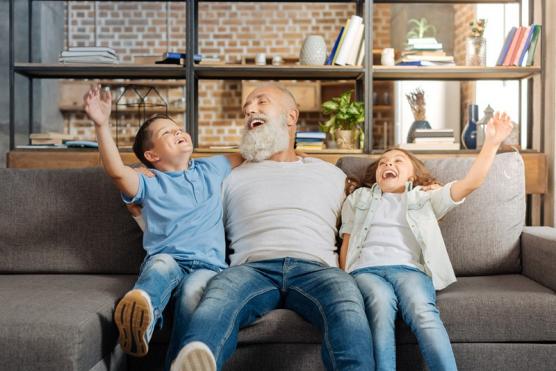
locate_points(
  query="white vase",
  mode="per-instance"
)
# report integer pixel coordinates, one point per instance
(313, 50)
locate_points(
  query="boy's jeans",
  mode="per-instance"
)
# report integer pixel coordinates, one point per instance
(160, 275)
(326, 297)
(386, 288)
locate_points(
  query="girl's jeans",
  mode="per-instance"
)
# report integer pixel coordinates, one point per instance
(386, 289)
(160, 275)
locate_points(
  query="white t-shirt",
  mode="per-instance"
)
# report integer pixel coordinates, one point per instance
(283, 209)
(389, 241)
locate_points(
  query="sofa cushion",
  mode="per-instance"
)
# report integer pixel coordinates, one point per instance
(504, 308)
(481, 235)
(65, 221)
(58, 322)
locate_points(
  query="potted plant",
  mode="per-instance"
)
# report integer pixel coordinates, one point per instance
(416, 100)
(346, 117)
(420, 28)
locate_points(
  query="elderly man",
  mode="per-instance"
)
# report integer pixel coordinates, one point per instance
(281, 213)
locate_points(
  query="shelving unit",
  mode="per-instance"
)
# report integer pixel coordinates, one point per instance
(191, 73)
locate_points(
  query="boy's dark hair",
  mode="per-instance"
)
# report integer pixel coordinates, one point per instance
(422, 176)
(142, 142)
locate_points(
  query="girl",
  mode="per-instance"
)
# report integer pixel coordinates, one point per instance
(393, 247)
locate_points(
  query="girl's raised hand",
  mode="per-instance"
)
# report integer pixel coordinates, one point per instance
(498, 128)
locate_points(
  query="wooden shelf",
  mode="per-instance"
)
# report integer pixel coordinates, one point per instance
(453, 73)
(158, 83)
(171, 110)
(295, 72)
(536, 171)
(96, 71)
(445, 1)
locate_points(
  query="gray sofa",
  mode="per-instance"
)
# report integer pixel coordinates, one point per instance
(69, 251)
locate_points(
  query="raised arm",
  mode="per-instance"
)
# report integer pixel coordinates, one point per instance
(498, 129)
(97, 105)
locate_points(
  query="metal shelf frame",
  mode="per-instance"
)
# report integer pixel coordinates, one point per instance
(192, 73)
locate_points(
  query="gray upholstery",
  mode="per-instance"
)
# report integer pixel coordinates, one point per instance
(65, 221)
(73, 221)
(58, 322)
(481, 235)
(539, 255)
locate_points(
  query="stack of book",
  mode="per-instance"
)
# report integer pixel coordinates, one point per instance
(349, 47)
(433, 140)
(309, 140)
(426, 51)
(89, 55)
(49, 138)
(520, 46)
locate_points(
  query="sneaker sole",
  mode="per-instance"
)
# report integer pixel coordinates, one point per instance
(197, 359)
(132, 317)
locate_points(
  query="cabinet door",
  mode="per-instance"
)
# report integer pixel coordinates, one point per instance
(307, 94)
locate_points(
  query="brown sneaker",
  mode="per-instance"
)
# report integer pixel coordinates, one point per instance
(134, 318)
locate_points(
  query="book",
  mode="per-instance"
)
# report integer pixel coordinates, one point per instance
(420, 63)
(439, 146)
(427, 133)
(506, 46)
(421, 40)
(311, 134)
(308, 140)
(343, 36)
(436, 46)
(533, 46)
(430, 58)
(522, 60)
(521, 47)
(176, 58)
(349, 40)
(93, 49)
(513, 46)
(310, 146)
(352, 58)
(361, 54)
(451, 139)
(335, 47)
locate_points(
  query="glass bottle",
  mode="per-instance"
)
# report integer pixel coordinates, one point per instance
(469, 134)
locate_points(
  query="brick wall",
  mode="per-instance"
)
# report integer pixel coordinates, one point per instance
(229, 30)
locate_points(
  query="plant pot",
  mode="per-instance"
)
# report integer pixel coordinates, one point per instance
(345, 139)
(417, 124)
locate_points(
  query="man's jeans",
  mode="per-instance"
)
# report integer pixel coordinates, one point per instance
(324, 296)
(386, 288)
(160, 275)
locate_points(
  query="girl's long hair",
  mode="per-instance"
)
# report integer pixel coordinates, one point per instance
(422, 176)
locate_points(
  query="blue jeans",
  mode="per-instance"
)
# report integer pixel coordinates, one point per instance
(324, 296)
(160, 275)
(387, 288)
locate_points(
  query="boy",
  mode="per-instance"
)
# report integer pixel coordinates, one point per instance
(182, 210)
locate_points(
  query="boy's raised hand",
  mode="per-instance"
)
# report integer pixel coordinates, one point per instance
(97, 104)
(498, 128)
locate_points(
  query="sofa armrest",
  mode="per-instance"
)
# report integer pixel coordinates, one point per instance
(538, 251)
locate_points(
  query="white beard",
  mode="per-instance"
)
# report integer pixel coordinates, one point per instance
(262, 142)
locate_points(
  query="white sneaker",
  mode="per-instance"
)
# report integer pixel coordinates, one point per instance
(134, 318)
(195, 356)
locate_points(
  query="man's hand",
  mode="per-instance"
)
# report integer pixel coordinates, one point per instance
(97, 104)
(145, 171)
(498, 128)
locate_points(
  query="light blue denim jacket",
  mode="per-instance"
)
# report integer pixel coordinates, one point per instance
(424, 209)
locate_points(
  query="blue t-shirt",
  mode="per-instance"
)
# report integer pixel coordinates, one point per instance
(183, 211)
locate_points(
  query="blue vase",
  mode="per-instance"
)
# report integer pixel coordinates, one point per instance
(469, 134)
(417, 124)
